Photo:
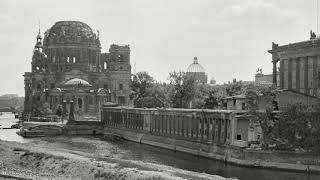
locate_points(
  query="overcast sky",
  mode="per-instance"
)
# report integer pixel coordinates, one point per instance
(229, 37)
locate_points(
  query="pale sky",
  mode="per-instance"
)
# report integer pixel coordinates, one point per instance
(229, 37)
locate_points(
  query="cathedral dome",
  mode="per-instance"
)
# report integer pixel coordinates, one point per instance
(70, 32)
(195, 66)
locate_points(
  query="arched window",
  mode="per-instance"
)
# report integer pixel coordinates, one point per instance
(68, 59)
(74, 59)
(105, 65)
(79, 103)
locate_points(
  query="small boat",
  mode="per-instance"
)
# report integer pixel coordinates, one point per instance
(30, 133)
(15, 126)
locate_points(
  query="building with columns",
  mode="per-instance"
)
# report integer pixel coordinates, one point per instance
(68, 67)
(299, 66)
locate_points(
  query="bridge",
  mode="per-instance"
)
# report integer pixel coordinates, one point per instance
(7, 109)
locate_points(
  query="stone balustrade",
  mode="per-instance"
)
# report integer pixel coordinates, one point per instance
(205, 126)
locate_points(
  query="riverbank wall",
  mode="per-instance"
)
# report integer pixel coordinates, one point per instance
(207, 133)
(290, 161)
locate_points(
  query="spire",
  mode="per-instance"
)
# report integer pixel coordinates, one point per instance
(38, 45)
(39, 33)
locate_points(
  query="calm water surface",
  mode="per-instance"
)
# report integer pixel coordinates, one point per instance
(151, 154)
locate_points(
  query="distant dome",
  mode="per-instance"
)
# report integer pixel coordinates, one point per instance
(77, 81)
(195, 66)
(65, 32)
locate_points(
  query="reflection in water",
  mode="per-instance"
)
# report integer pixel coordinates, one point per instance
(180, 160)
(140, 152)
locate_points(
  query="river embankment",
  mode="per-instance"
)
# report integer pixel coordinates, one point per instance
(80, 158)
(288, 161)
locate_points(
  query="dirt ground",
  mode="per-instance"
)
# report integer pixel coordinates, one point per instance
(80, 158)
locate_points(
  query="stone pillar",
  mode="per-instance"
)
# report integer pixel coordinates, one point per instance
(207, 128)
(174, 119)
(202, 127)
(187, 125)
(197, 127)
(274, 72)
(290, 73)
(281, 75)
(71, 114)
(213, 130)
(315, 74)
(146, 121)
(306, 76)
(298, 74)
(219, 130)
(64, 108)
(233, 126)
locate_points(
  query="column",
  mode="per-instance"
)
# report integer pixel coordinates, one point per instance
(285, 73)
(275, 60)
(306, 78)
(315, 74)
(298, 74)
(213, 130)
(290, 73)
(310, 75)
(281, 74)
(219, 130)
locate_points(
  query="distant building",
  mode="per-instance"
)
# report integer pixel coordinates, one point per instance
(299, 66)
(212, 81)
(263, 78)
(196, 71)
(68, 67)
(282, 99)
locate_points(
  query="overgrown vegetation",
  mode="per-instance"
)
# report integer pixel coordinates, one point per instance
(293, 129)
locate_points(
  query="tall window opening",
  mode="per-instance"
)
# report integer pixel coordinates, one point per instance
(79, 103)
(105, 65)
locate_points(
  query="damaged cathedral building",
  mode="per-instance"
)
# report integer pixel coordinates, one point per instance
(68, 68)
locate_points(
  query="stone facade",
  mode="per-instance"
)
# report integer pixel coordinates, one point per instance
(68, 66)
(299, 66)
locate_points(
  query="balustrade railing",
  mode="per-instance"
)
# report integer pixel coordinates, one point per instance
(207, 126)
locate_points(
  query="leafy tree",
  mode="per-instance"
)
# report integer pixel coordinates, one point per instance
(211, 101)
(140, 83)
(184, 89)
(155, 96)
(147, 93)
(234, 89)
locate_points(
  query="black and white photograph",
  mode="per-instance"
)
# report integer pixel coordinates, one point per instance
(160, 89)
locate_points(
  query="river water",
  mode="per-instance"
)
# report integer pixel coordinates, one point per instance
(185, 161)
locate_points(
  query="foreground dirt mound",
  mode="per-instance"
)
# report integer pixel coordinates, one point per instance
(37, 162)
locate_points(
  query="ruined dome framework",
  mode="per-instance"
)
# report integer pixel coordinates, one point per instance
(72, 45)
